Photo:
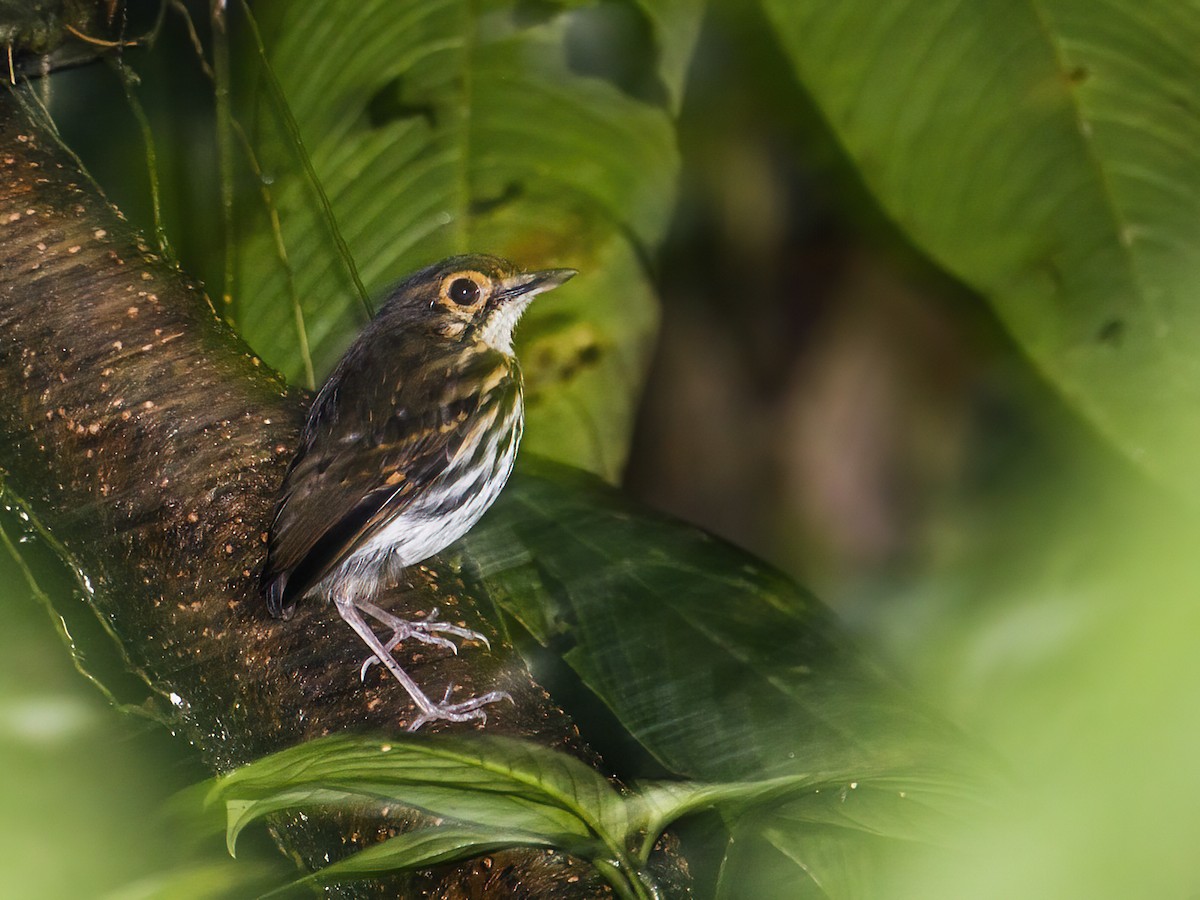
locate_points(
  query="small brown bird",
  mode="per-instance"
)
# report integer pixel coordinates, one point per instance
(406, 445)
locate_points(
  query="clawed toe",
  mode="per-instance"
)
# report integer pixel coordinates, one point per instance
(465, 711)
(428, 631)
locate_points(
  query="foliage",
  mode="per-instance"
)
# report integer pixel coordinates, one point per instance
(641, 598)
(1042, 153)
(487, 793)
(1045, 153)
(441, 128)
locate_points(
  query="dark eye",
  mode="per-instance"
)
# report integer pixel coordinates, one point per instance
(463, 291)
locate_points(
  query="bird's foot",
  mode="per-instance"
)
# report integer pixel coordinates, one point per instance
(427, 710)
(464, 711)
(428, 631)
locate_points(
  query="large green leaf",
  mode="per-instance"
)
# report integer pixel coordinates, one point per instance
(485, 793)
(723, 668)
(1047, 152)
(452, 126)
(719, 665)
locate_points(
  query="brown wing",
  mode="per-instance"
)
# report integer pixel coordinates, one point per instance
(369, 447)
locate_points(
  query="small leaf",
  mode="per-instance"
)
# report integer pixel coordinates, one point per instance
(485, 809)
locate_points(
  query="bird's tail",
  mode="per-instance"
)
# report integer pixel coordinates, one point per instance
(275, 590)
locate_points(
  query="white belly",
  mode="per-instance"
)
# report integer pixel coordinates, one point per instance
(423, 529)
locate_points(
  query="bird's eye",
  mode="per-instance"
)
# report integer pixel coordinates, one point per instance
(463, 291)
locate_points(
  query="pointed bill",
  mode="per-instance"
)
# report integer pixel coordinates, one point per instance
(510, 301)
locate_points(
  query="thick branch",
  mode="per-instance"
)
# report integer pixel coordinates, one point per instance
(150, 442)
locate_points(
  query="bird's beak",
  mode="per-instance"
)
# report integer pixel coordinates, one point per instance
(508, 303)
(529, 284)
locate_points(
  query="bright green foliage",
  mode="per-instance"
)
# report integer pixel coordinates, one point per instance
(489, 793)
(453, 126)
(1048, 154)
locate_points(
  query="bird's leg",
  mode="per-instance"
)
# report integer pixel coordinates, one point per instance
(430, 711)
(424, 630)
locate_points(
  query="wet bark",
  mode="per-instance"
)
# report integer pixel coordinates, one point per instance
(149, 441)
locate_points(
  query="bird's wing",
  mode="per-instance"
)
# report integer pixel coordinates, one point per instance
(366, 453)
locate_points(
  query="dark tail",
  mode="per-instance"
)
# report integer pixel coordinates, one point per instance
(275, 590)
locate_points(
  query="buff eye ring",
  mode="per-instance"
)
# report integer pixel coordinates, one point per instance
(463, 291)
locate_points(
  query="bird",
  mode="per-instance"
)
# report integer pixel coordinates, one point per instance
(406, 445)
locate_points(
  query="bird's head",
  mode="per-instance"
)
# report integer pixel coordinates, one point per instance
(473, 297)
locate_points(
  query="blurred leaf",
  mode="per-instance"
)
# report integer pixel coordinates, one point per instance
(201, 881)
(845, 843)
(676, 25)
(446, 127)
(819, 863)
(1047, 154)
(660, 803)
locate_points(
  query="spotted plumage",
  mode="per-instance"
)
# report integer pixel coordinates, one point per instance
(406, 445)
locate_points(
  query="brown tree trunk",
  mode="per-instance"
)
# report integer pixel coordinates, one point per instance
(149, 441)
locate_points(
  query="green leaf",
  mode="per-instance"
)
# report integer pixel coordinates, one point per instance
(1048, 155)
(935, 808)
(824, 863)
(485, 809)
(486, 781)
(240, 813)
(200, 881)
(452, 126)
(422, 848)
(723, 668)
(660, 803)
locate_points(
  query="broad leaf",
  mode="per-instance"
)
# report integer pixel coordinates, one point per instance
(814, 863)
(451, 126)
(720, 666)
(1048, 155)
(484, 781)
